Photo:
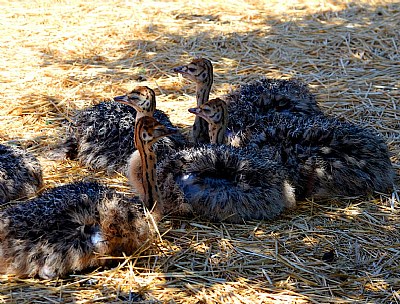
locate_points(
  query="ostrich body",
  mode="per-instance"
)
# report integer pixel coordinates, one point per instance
(66, 228)
(325, 157)
(329, 157)
(20, 174)
(222, 183)
(102, 137)
(267, 96)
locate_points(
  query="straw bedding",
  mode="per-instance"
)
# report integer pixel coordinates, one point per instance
(58, 56)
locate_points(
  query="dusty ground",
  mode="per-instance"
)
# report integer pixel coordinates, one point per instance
(57, 56)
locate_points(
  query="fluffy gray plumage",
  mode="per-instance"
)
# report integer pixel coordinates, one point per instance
(20, 174)
(221, 183)
(325, 157)
(101, 136)
(268, 96)
(64, 229)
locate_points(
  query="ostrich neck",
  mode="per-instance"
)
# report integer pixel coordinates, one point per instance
(217, 131)
(149, 177)
(142, 113)
(200, 129)
(203, 91)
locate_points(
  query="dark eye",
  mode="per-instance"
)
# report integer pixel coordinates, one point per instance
(207, 110)
(191, 69)
(146, 136)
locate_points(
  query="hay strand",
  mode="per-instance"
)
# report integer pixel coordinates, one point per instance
(64, 55)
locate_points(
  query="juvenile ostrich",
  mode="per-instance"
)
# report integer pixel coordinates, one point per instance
(20, 174)
(67, 228)
(222, 183)
(102, 136)
(325, 157)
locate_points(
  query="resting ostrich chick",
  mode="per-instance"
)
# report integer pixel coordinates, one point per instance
(331, 157)
(66, 228)
(326, 158)
(20, 174)
(223, 183)
(102, 137)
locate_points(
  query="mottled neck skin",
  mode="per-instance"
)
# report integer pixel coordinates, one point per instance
(217, 129)
(148, 131)
(203, 88)
(142, 113)
(148, 163)
(139, 114)
(199, 71)
(145, 107)
(215, 112)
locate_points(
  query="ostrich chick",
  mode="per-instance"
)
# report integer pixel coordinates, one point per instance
(67, 228)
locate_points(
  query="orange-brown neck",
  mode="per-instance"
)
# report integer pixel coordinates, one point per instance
(202, 92)
(217, 118)
(140, 114)
(217, 131)
(204, 83)
(215, 113)
(149, 175)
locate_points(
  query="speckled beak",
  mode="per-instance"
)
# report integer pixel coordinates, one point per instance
(197, 112)
(122, 99)
(181, 69)
(184, 71)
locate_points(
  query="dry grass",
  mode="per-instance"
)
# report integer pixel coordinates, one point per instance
(60, 55)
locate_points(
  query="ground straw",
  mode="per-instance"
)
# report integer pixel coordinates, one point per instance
(58, 56)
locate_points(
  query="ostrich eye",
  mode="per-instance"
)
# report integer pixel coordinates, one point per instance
(192, 69)
(146, 136)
